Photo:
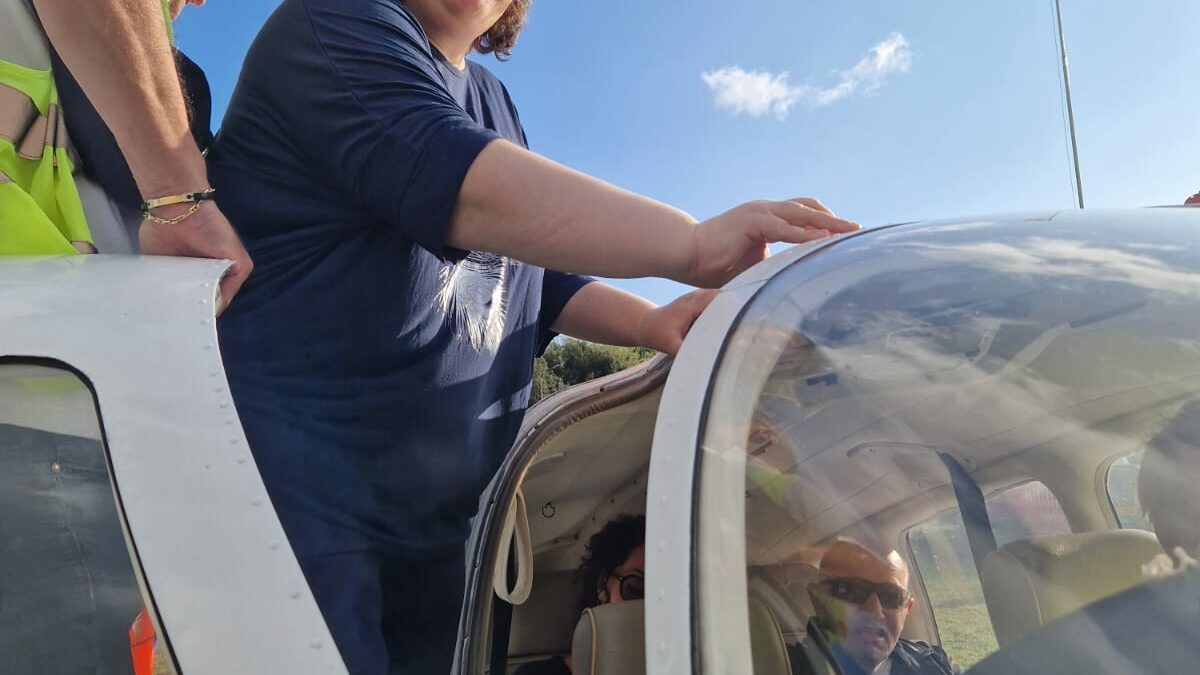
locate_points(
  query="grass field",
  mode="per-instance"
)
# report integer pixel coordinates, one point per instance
(962, 619)
(948, 573)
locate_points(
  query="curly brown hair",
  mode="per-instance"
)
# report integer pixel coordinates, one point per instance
(607, 550)
(502, 36)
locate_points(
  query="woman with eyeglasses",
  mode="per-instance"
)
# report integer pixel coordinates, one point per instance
(612, 570)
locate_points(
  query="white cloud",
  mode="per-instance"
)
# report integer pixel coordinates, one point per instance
(756, 93)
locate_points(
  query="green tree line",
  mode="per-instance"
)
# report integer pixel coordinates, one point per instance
(568, 361)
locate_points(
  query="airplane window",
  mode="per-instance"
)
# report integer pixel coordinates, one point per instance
(69, 597)
(1122, 492)
(940, 551)
(864, 411)
(942, 554)
(1025, 511)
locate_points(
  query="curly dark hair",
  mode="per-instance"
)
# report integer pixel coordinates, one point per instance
(502, 36)
(607, 550)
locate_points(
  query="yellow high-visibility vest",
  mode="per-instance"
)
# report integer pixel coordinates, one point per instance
(40, 209)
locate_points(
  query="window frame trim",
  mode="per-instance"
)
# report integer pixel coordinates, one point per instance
(149, 601)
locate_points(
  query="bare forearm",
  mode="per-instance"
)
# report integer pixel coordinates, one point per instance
(518, 204)
(119, 52)
(605, 314)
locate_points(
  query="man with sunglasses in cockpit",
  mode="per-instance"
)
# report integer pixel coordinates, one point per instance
(861, 601)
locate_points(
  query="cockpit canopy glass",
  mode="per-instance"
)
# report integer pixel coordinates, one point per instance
(935, 413)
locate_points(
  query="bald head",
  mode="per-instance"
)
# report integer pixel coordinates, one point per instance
(861, 602)
(851, 559)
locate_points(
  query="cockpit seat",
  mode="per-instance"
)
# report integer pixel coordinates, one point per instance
(541, 626)
(611, 640)
(784, 590)
(1031, 582)
(768, 650)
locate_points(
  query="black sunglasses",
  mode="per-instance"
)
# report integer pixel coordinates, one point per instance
(632, 585)
(857, 591)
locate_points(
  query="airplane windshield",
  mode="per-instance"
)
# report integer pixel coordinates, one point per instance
(901, 452)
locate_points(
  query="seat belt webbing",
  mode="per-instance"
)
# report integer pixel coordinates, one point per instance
(973, 507)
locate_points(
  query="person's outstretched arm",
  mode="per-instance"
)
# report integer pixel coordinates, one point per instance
(404, 151)
(119, 52)
(517, 203)
(608, 315)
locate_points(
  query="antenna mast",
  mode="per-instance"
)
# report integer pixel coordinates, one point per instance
(1062, 45)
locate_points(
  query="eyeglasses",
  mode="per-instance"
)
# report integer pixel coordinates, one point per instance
(632, 585)
(857, 591)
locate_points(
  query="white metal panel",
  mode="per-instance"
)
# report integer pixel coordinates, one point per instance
(670, 533)
(228, 590)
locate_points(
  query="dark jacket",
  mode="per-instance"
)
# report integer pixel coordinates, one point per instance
(814, 655)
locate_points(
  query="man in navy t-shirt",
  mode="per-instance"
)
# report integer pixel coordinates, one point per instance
(381, 353)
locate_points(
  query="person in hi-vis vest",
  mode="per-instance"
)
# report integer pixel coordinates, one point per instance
(92, 123)
(115, 60)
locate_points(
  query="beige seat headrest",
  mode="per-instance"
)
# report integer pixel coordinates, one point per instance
(784, 590)
(1031, 582)
(767, 648)
(544, 625)
(611, 640)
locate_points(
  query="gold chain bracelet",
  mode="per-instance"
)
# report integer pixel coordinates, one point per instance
(196, 199)
(177, 219)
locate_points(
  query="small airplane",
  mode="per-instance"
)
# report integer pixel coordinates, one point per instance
(980, 398)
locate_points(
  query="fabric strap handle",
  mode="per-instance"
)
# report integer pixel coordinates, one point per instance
(515, 533)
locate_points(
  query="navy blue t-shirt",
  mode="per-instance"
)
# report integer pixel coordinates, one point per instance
(380, 375)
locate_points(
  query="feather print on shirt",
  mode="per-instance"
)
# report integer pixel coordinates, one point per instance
(472, 298)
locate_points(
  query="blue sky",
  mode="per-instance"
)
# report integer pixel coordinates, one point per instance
(957, 111)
